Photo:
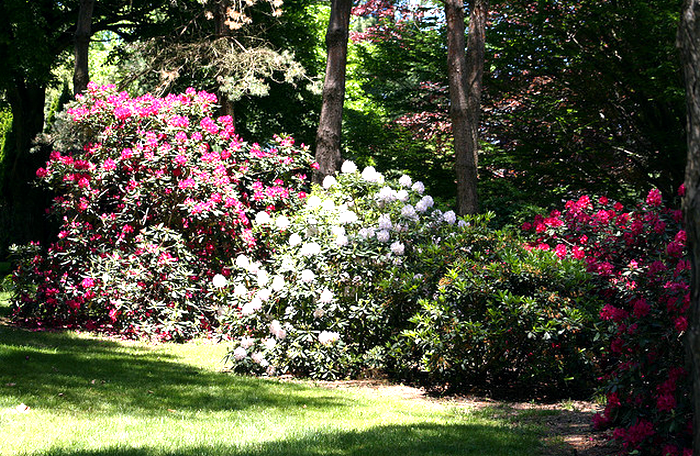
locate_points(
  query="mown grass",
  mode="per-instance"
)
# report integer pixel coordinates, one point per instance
(93, 396)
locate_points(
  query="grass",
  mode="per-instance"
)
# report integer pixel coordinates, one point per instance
(93, 396)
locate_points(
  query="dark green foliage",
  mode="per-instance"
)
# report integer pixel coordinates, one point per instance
(505, 320)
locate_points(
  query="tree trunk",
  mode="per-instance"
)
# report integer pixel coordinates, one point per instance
(465, 74)
(81, 73)
(689, 41)
(222, 30)
(26, 203)
(330, 123)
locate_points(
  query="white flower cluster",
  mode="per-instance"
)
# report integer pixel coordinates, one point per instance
(368, 215)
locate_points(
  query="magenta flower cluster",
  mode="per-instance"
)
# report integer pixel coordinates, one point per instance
(638, 260)
(155, 199)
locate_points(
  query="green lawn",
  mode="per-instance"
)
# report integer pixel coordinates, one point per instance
(93, 396)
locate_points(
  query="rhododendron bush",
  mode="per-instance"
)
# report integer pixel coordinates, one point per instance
(154, 196)
(637, 257)
(332, 294)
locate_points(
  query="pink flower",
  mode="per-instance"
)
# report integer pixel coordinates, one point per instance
(560, 250)
(654, 198)
(681, 190)
(88, 282)
(681, 324)
(315, 165)
(109, 165)
(641, 308)
(666, 403)
(41, 172)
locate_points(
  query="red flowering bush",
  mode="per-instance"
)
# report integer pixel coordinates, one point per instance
(637, 258)
(154, 195)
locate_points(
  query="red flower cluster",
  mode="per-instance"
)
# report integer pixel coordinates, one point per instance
(636, 259)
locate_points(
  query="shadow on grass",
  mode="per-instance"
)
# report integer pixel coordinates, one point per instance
(60, 371)
(416, 439)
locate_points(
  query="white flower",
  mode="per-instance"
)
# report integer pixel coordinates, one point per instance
(366, 233)
(337, 230)
(425, 203)
(310, 249)
(409, 212)
(277, 283)
(247, 309)
(383, 235)
(307, 275)
(256, 304)
(329, 181)
(384, 222)
(277, 330)
(240, 290)
(347, 217)
(386, 194)
(328, 205)
(319, 312)
(449, 217)
(397, 248)
(219, 281)
(328, 337)
(371, 175)
(242, 261)
(405, 181)
(288, 264)
(402, 195)
(269, 343)
(348, 167)
(253, 267)
(313, 201)
(462, 224)
(418, 187)
(263, 294)
(262, 278)
(282, 222)
(341, 240)
(259, 358)
(326, 296)
(294, 240)
(247, 342)
(240, 353)
(262, 218)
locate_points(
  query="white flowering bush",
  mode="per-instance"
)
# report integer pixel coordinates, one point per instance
(333, 294)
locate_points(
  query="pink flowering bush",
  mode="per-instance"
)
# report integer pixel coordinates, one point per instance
(154, 195)
(639, 267)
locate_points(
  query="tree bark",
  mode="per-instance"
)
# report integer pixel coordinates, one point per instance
(26, 203)
(689, 41)
(81, 73)
(330, 123)
(465, 75)
(221, 30)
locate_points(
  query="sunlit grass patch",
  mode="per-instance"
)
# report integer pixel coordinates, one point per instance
(95, 396)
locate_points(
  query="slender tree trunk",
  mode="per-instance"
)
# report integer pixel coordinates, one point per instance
(81, 73)
(221, 30)
(330, 123)
(465, 75)
(689, 41)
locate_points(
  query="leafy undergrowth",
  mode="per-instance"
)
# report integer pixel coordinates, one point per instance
(94, 396)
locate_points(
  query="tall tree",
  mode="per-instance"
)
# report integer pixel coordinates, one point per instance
(330, 122)
(465, 75)
(689, 41)
(81, 74)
